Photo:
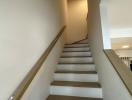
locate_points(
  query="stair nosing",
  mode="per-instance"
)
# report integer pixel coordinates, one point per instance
(76, 46)
(76, 72)
(74, 56)
(74, 63)
(76, 43)
(76, 84)
(76, 51)
(52, 97)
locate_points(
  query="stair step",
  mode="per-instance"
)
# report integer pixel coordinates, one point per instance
(76, 60)
(77, 72)
(76, 67)
(76, 77)
(76, 49)
(77, 45)
(59, 97)
(76, 84)
(76, 54)
(80, 89)
(76, 63)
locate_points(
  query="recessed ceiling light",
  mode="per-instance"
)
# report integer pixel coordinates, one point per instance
(125, 46)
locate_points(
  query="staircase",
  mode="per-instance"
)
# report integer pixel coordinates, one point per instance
(76, 77)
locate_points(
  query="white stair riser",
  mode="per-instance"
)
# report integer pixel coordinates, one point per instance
(78, 67)
(76, 77)
(76, 91)
(76, 54)
(76, 49)
(76, 45)
(76, 60)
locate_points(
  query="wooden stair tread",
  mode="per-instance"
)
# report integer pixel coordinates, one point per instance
(76, 50)
(76, 84)
(58, 97)
(75, 56)
(76, 46)
(77, 72)
(75, 63)
(76, 43)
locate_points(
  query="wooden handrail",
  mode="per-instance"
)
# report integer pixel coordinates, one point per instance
(124, 73)
(18, 93)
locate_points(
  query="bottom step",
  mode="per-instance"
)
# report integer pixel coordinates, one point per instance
(79, 89)
(57, 97)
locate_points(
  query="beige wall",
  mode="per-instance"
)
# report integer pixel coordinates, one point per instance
(113, 87)
(77, 26)
(27, 28)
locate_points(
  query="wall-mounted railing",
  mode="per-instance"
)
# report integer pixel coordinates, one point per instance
(18, 93)
(121, 68)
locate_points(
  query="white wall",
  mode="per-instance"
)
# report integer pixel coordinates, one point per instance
(120, 18)
(105, 25)
(120, 21)
(113, 87)
(124, 52)
(77, 25)
(39, 88)
(27, 28)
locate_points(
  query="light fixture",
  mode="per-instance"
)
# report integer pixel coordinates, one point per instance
(125, 46)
